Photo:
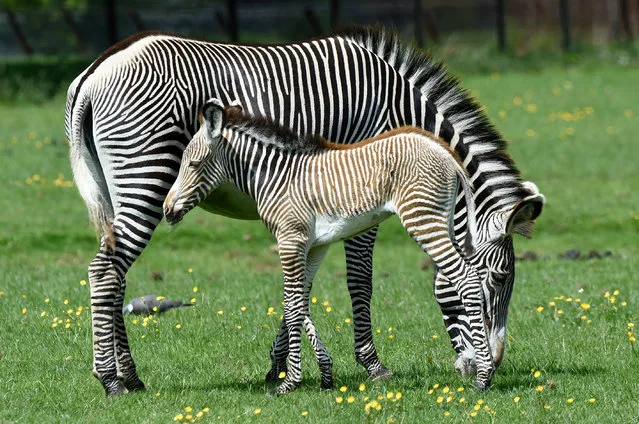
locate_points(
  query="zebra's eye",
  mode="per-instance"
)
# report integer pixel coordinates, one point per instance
(499, 278)
(195, 163)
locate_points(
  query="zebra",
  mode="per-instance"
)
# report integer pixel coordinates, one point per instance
(131, 113)
(311, 193)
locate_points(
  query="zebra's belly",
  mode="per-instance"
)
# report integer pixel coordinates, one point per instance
(329, 229)
(228, 200)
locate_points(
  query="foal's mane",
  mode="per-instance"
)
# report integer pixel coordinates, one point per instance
(272, 134)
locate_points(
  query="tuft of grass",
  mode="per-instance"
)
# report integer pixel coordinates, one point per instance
(571, 132)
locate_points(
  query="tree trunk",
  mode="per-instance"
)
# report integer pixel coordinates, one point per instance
(431, 27)
(75, 29)
(313, 21)
(138, 23)
(17, 31)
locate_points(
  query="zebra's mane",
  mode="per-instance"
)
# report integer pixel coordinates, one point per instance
(480, 146)
(270, 133)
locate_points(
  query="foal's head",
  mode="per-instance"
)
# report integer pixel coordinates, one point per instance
(201, 171)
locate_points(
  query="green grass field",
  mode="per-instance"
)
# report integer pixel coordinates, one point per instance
(571, 131)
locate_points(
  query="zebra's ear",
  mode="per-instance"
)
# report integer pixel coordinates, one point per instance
(521, 219)
(214, 117)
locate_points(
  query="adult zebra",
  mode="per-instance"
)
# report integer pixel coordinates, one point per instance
(132, 112)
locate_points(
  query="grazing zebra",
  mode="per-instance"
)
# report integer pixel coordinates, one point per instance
(131, 113)
(310, 193)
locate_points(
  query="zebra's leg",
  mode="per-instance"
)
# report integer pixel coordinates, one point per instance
(107, 271)
(359, 277)
(293, 252)
(124, 361)
(430, 231)
(104, 280)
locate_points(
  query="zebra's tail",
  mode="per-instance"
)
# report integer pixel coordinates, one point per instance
(87, 170)
(471, 223)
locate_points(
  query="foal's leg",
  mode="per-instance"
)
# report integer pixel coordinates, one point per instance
(428, 226)
(279, 349)
(293, 252)
(457, 324)
(313, 262)
(359, 275)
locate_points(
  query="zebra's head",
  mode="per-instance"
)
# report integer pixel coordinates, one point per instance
(201, 170)
(494, 259)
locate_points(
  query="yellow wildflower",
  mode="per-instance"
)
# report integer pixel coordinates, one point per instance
(350, 399)
(343, 389)
(516, 399)
(339, 399)
(540, 308)
(258, 411)
(539, 388)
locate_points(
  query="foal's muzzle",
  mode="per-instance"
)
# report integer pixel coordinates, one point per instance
(172, 211)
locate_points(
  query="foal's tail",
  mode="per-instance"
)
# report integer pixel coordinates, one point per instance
(471, 223)
(87, 170)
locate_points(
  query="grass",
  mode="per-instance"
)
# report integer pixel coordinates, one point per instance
(571, 132)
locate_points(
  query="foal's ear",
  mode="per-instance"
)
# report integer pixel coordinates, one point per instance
(214, 117)
(521, 219)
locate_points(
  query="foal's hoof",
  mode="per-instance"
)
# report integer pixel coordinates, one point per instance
(134, 385)
(273, 376)
(379, 374)
(283, 389)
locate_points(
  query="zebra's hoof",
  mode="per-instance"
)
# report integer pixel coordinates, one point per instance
(134, 385)
(382, 373)
(114, 388)
(327, 384)
(465, 366)
(482, 386)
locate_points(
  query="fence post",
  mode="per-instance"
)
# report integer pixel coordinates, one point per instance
(334, 13)
(501, 24)
(419, 30)
(233, 27)
(564, 14)
(111, 22)
(624, 12)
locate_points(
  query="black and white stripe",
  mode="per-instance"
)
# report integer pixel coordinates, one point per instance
(132, 112)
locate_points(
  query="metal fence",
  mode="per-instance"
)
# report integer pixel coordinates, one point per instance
(91, 29)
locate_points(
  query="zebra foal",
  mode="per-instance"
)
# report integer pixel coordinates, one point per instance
(311, 193)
